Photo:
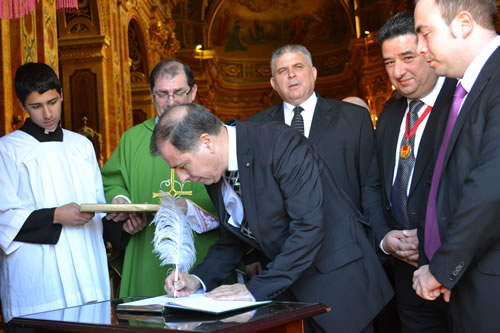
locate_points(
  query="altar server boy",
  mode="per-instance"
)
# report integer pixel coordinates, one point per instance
(52, 255)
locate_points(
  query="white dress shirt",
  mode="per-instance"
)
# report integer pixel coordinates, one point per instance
(475, 67)
(309, 105)
(428, 100)
(232, 201)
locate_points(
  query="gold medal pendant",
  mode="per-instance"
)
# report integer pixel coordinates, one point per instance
(405, 151)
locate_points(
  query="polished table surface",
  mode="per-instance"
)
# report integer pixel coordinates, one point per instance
(103, 317)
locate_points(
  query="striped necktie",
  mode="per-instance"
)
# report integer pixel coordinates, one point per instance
(233, 179)
(399, 193)
(297, 120)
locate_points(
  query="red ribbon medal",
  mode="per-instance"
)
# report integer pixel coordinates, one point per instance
(406, 149)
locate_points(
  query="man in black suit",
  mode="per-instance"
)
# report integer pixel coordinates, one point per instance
(289, 207)
(414, 80)
(462, 233)
(342, 132)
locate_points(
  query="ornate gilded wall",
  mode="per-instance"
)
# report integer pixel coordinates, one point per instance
(105, 51)
(242, 34)
(103, 54)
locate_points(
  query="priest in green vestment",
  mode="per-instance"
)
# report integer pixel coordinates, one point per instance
(132, 175)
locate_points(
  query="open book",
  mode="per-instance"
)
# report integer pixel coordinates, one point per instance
(194, 302)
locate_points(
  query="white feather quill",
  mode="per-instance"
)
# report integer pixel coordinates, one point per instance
(173, 240)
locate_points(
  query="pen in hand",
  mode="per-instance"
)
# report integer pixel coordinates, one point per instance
(176, 278)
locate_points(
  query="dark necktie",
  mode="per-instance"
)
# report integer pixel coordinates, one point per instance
(431, 231)
(233, 179)
(399, 197)
(297, 120)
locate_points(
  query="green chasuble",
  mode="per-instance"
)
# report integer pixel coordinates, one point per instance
(132, 171)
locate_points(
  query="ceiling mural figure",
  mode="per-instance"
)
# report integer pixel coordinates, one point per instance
(257, 26)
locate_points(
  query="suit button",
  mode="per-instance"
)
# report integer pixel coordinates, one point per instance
(247, 164)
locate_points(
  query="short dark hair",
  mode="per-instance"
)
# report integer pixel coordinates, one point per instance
(171, 67)
(484, 12)
(401, 24)
(35, 76)
(184, 131)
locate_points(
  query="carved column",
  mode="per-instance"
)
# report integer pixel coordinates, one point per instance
(82, 62)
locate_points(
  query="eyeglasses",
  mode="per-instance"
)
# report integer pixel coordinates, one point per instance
(165, 95)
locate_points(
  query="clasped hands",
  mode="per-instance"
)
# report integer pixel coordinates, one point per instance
(188, 284)
(403, 245)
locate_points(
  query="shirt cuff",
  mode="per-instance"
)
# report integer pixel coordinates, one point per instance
(203, 286)
(123, 197)
(190, 211)
(382, 247)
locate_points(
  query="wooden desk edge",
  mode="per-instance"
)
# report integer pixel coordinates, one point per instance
(261, 325)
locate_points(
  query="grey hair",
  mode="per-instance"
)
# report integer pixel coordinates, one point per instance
(290, 48)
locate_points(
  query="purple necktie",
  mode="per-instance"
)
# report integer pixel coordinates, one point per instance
(431, 237)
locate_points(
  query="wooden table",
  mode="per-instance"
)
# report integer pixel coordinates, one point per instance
(277, 317)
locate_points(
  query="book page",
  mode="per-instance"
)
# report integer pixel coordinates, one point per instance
(205, 304)
(195, 302)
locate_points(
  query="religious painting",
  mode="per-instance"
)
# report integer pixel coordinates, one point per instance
(257, 27)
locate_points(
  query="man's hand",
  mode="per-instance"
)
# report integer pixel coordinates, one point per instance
(232, 292)
(426, 285)
(135, 223)
(403, 245)
(70, 214)
(118, 216)
(253, 269)
(185, 286)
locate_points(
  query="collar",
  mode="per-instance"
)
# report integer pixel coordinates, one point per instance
(431, 97)
(38, 133)
(232, 155)
(475, 67)
(308, 105)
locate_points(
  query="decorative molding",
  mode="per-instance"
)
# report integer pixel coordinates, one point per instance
(87, 48)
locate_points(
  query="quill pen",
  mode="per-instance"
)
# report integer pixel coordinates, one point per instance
(173, 240)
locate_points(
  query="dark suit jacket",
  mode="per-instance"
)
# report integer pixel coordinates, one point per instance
(387, 137)
(307, 227)
(387, 133)
(468, 207)
(343, 134)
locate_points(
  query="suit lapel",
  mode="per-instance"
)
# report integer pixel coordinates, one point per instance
(391, 142)
(245, 165)
(471, 100)
(219, 201)
(435, 125)
(323, 118)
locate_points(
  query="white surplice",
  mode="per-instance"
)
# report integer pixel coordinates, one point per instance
(35, 175)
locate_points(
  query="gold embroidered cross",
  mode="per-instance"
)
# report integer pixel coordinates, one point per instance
(172, 191)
